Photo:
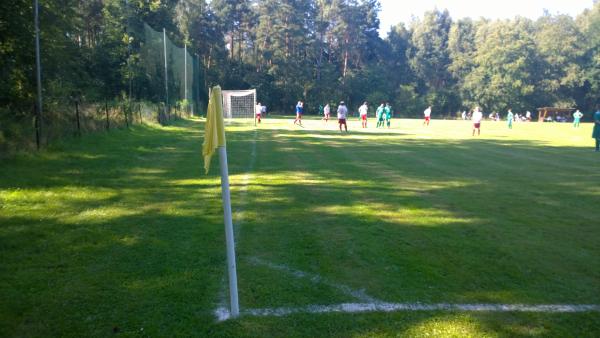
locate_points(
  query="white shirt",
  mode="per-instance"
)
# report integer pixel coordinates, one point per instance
(258, 109)
(427, 112)
(477, 116)
(363, 110)
(326, 110)
(341, 112)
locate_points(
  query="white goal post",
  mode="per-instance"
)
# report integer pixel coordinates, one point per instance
(239, 103)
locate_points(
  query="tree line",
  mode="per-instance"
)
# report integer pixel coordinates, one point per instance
(316, 51)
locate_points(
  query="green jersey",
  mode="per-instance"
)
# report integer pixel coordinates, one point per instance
(379, 112)
(596, 132)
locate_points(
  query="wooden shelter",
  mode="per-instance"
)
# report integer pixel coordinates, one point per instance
(553, 112)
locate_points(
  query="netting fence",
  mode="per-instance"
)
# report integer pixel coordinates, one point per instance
(97, 82)
(172, 73)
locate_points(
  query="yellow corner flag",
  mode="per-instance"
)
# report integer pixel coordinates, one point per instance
(214, 131)
(214, 137)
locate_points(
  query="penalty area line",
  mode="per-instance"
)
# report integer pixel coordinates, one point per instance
(223, 314)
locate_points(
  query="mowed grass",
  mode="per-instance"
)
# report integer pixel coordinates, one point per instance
(122, 233)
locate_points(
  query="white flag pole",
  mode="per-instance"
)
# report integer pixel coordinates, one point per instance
(233, 290)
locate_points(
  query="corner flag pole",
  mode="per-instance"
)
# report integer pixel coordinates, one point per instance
(231, 267)
(214, 137)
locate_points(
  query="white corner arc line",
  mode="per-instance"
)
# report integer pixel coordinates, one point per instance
(360, 295)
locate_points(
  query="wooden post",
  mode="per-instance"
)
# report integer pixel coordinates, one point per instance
(125, 112)
(107, 119)
(77, 117)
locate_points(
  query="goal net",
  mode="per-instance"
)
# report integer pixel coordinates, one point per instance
(239, 103)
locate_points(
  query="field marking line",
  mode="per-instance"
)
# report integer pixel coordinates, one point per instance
(239, 210)
(223, 313)
(360, 295)
(370, 304)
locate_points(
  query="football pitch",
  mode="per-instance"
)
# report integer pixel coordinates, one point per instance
(406, 231)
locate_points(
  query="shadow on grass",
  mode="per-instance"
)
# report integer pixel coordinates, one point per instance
(123, 232)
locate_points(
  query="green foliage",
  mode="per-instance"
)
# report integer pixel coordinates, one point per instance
(504, 66)
(315, 50)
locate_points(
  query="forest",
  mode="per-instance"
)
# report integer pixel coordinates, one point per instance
(312, 50)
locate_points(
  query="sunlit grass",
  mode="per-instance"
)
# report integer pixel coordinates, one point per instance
(123, 231)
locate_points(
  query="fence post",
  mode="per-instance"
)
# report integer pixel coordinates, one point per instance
(38, 68)
(77, 117)
(125, 109)
(107, 119)
(167, 110)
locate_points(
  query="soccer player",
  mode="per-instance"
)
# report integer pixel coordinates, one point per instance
(363, 110)
(299, 112)
(257, 112)
(326, 112)
(388, 114)
(476, 118)
(576, 118)
(379, 115)
(509, 118)
(427, 114)
(596, 132)
(342, 111)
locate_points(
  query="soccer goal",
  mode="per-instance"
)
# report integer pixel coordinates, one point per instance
(239, 103)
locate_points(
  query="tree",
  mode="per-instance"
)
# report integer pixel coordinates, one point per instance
(430, 60)
(559, 44)
(589, 23)
(504, 65)
(462, 50)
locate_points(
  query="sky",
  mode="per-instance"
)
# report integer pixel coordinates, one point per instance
(394, 11)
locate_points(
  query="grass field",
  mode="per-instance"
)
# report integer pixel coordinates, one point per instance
(122, 233)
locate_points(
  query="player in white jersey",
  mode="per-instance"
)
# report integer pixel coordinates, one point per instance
(342, 111)
(363, 110)
(476, 118)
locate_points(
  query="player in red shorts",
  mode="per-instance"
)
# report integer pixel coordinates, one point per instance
(257, 112)
(427, 114)
(342, 111)
(326, 112)
(363, 110)
(476, 118)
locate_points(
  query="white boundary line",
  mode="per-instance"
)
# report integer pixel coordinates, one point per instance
(223, 313)
(239, 211)
(370, 304)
